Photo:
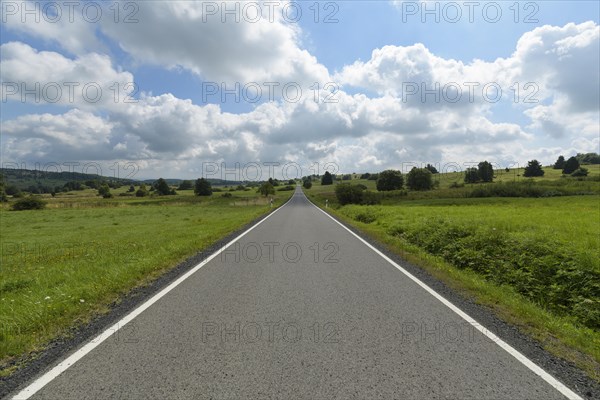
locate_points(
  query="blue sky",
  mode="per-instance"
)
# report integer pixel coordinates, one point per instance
(370, 53)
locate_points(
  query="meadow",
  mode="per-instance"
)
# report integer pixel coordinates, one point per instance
(534, 261)
(65, 264)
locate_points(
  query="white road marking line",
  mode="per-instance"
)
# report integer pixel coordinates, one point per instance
(43, 380)
(568, 393)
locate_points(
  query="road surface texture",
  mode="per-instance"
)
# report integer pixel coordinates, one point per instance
(298, 308)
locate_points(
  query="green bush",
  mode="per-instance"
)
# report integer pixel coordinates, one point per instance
(563, 283)
(29, 203)
(347, 193)
(580, 172)
(390, 180)
(286, 188)
(419, 179)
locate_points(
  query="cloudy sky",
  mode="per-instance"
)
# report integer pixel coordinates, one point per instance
(183, 89)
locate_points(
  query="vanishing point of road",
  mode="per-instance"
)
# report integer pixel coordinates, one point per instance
(298, 307)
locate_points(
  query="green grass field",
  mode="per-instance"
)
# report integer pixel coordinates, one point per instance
(63, 265)
(534, 261)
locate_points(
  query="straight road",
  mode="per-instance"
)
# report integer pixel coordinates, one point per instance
(298, 307)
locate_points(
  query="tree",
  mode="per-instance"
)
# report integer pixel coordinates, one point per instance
(266, 189)
(471, 175)
(560, 163)
(162, 187)
(142, 191)
(390, 180)
(533, 168)
(185, 185)
(3, 197)
(588, 158)
(346, 193)
(327, 179)
(291, 182)
(365, 176)
(202, 187)
(419, 179)
(307, 184)
(431, 169)
(485, 171)
(104, 191)
(570, 166)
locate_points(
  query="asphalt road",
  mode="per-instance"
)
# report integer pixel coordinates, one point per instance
(298, 308)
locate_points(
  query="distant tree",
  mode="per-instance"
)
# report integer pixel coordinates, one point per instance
(240, 187)
(12, 190)
(571, 165)
(419, 179)
(347, 193)
(347, 177)
(373, 177)
(3, 197)
(588, 158)
(202, 187)
(471, 175)
(365, 176)
(131, 189)
(266, 189)
(560, 163)
(291, 182)
(533, 168)
(485, 171)
(307, 184)
(104, 191)
(327, 179)
(142, 191)
(163, 188)
(390, 180)
(431, 169)
(185, 185)
(29, 203)
(579, 172)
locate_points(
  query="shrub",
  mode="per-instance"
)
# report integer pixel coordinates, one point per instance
(571, 166)
(390, 180)
(419, 179)
(560, 163)
(485, 171)
(226, 194)
(162, 187)
(471, 175)
(202, 187)
(307, 184)
(185, 185)
(29, 203)
(366, 217)
(266, 189)
(327, 179)
(286, 188)
(371, 198)
(533, 168)
(347, 193)
(142, 191)
(104, 191)
(431, 169)
(580, 172)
